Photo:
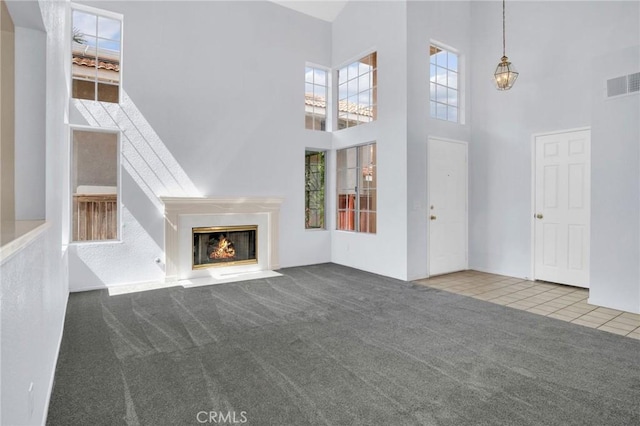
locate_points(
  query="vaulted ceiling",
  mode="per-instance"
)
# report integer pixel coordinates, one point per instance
(323, 9)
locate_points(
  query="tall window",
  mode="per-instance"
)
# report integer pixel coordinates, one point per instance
(314, 178)
(315, 98)
(357, 182)
(358, 92)
(443, 79)
(95, 56)
(94, 185)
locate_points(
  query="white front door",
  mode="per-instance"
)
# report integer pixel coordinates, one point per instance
(447, 209)
(562, 207)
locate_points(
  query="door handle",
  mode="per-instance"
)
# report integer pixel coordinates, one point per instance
(539, 216)
(432, 217)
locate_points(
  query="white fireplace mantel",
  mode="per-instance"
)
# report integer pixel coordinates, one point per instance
(181, 208)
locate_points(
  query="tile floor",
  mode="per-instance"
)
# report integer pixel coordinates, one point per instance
(553, 300)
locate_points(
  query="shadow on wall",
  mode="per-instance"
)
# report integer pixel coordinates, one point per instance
(149, 171)
(90, 280)
(110, 264)
(144, 155)
(143, 210)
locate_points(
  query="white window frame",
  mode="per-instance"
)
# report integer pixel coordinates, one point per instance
(106, 14)
(374, 88)
(459, 84)
(357, 208)
(118, 133)
(326, 187)
(328, 97)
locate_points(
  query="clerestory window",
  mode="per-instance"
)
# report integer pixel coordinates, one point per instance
(443, 81)
(96, 54)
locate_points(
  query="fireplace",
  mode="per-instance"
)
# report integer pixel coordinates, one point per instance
(224, 246)
(188, 256)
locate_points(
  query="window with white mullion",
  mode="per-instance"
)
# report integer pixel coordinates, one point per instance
(357, 189)
(316, 97)
(96, 54)
(443, 82)
(357, 92)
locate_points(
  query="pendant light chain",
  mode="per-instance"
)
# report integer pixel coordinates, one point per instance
(504, 37)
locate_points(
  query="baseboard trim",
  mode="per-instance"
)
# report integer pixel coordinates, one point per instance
(110, 286)
(594, 301)
(504, 274)
(55, 365)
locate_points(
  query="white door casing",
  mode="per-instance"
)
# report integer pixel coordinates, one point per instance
(562, 204)
(447, 206)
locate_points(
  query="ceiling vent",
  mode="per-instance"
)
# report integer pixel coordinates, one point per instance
(623, 85)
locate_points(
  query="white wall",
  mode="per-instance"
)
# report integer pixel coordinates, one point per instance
(615, 192)
(30, 109)
(448, 23)
(551, 94)
(360, 28)
(33, 281)
(213, 107)
(553, 45)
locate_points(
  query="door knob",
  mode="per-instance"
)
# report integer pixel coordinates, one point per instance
(539, 216)
(432, 217)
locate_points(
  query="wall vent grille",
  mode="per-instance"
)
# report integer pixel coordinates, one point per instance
(623, 85)
(634, 82)
(617, 86)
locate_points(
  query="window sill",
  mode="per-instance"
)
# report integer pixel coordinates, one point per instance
(355, 232)
(94, 242)
(21, 234)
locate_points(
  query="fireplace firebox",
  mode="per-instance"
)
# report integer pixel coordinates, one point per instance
(224, 246)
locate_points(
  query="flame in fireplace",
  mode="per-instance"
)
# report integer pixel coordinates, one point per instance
(224, 250)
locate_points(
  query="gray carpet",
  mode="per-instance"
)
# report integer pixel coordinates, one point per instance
(327, 344)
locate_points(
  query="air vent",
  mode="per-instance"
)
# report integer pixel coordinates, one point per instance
(623, 85)
(617, 86)
(634, 82)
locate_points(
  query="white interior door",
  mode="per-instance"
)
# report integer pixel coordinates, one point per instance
(562, 207)
(447, 174)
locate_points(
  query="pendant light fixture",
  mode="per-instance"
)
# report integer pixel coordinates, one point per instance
(505, 75)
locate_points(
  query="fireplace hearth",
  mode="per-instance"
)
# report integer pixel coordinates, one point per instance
(224, 246)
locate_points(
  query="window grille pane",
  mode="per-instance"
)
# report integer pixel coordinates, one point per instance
(108, 93)
(342, 75)
(109, 28)
(320, 77)
(452, 114)
(452, 61)
(85, 23)
(441, 94)
(452, 80)
(83, 89)
(452, 98)
(441, 76)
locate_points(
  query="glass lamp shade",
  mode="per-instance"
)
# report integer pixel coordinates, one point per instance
(505, 75)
